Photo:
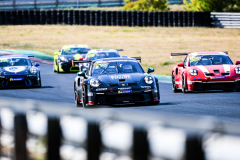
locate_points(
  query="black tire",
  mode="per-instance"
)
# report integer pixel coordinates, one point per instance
(77, 103)
(158, 90)
(57, 68)
(184, 90)
(40, 81)
(54, 69)
(175, 90)
(228, 90)
(84, 97)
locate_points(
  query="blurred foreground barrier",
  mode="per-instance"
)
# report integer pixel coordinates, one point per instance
(38, 130)
(106, 18)
(225, 20)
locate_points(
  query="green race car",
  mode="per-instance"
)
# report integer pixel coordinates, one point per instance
(63, 58)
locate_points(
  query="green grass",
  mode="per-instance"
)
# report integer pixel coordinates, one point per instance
(127, 30)
(96, 48)
(47, 52)
(166, 63)
(19, 45)
(4, 26)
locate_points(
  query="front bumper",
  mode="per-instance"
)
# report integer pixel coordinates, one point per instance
(67, 67)
(213, 85)
(137, 96)
(27, 81)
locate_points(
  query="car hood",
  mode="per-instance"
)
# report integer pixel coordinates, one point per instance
(73, 56)
(214, 68)
(118, 78)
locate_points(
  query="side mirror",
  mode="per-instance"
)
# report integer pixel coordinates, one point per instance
(180, 64)
(237, 62)
(36, 64)
(150, 70)
(82, 74)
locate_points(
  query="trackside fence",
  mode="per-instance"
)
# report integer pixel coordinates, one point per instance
(106, 18)
(33, 130)
(225, 20)
(54, 4)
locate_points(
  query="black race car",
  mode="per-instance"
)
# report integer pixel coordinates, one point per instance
(115, 81)
(18, 71)
(64, 57)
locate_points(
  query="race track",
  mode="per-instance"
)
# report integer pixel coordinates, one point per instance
(59, 88)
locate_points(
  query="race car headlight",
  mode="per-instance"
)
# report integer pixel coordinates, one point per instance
(33, 70)
(148, 79)
(94, 83)
(237, 70)
(63, 59)
(193, 72)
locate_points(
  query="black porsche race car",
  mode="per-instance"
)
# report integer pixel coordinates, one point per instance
(18, 71)
(115, 81)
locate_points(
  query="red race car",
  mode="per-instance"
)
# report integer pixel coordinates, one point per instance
(203, 71)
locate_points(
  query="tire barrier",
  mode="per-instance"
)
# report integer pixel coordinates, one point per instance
(106, 18)
(225, 20)
(65, 133)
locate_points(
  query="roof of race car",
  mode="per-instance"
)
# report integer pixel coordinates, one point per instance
(116, 59)
(76, 46)
(207, 53)
(103, 50)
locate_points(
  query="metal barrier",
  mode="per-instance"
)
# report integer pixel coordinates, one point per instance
(48, 4)
(225, 20)
(110, 18)
(38, 130)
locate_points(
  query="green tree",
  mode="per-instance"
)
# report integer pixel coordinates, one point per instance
(212, 5)
(146, 5)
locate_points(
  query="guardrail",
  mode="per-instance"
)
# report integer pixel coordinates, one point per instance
(103, 18)
(53, 4)
(225, 20)
(34, 130)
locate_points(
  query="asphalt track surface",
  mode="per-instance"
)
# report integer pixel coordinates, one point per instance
(58, 88)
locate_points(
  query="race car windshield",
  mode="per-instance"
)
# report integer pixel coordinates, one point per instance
(7, 62)
(209, 60)
(100, 55)
(70, 51)
(116, 67)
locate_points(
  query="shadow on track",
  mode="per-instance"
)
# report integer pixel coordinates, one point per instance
(168, 103)
(125, 105)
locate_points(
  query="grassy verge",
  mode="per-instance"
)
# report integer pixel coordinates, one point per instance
(153, 44)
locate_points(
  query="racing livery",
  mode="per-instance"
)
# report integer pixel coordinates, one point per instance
(18, 71)
(63, 58)
(205, 71)
(115, 81)
(98, 54)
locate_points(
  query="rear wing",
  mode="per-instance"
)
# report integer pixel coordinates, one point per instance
(119, 49)
(138, 58)
(30, 55)
(226, 52)
(83, 61)
(178, 54)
